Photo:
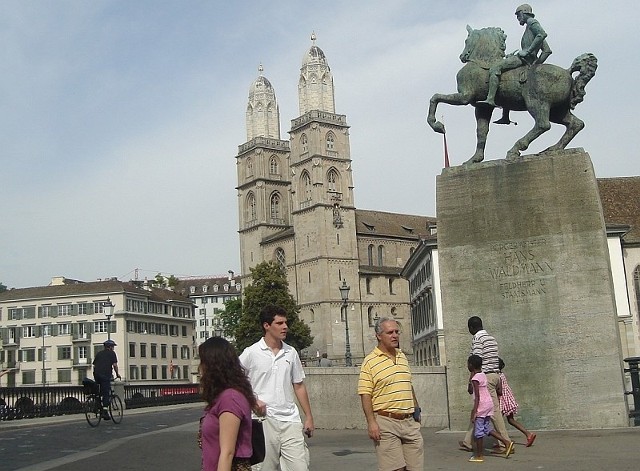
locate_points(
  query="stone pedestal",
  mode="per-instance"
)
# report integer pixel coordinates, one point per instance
(523, 246)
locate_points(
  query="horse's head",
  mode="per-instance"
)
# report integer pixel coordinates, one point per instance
(487, 44)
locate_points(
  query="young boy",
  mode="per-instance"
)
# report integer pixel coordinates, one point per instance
(482, 410)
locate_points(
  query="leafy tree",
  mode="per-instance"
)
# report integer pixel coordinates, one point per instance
(269, 286)
(172, 281)
(231, 317)
(3, 288)
(159, 281)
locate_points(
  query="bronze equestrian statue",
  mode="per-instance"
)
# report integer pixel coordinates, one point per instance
(547, 92)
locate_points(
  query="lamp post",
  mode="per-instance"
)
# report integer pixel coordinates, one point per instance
(110, 305)
(344, 294)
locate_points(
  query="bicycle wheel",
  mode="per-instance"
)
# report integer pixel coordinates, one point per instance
(116, 410)
(92, 411)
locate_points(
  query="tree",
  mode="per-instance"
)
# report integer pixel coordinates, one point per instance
(269, 286)
(3, 288)
(231, 317)
(159, 281)
(172, 281)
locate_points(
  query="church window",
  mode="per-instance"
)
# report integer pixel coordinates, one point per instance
(274, 166)
(370, 255)
(391, 286)
(304, 142)
(333, 179)
(331, 138)
(275, 206)
(251, 207)
(368, 285)
(380, 253)
(281, 259)
(249, 166)
(306, 185)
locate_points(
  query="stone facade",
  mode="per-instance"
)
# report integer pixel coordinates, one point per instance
(296, 206)
(523, 245)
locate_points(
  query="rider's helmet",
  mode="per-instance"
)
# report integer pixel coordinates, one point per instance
(109, 343)
(525, 8)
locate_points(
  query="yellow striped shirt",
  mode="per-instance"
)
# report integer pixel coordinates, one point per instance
(388, 382)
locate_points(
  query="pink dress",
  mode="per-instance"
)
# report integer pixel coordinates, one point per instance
(232, 401)
(508, 404)
(485, 405)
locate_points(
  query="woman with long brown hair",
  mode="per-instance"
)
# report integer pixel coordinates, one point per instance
(226, 425)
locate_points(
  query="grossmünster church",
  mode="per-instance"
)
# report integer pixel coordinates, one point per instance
(297, 206)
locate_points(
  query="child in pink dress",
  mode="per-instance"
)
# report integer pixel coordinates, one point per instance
(509, 406)
(482, 411)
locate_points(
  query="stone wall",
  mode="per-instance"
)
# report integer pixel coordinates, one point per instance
(335, 403)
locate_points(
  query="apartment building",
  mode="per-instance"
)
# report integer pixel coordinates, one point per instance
(50, 334)
(209, 293)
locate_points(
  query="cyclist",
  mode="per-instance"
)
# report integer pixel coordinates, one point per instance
(104, 362)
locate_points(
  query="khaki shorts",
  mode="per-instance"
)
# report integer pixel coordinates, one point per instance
(400, 444)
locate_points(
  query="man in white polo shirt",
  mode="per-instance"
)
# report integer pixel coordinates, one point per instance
(276, 375)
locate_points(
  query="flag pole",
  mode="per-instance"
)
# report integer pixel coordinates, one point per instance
(446, 148)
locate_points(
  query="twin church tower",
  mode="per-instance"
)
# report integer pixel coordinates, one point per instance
(296, 207)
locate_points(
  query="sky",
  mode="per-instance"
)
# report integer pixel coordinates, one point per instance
(120, 120)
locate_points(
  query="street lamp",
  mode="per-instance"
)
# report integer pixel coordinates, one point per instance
(110, 305)
(344, 294)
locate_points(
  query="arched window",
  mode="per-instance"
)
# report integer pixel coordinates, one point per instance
(333, 180)
(251, 207)
(380, 253)
(306, 185)
(371, 316)
(331, 139)
(370, 254)
(249, 166)
(275, 206)
(281, 259)
(274, 165)
(304, 142)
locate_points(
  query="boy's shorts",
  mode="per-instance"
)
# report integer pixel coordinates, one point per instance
(482, 427)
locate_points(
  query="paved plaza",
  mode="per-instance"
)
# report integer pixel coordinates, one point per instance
(163, 439)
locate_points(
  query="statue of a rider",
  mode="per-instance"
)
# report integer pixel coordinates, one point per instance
(533, 42)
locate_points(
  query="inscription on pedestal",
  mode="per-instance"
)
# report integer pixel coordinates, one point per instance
(521, 270)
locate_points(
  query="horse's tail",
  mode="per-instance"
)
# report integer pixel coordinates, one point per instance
(586, 65)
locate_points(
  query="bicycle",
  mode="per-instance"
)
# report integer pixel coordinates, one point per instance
(93, 405)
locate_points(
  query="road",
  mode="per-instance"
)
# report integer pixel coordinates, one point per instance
(164, 439)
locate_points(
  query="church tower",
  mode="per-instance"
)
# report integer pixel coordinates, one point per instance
(323, 209)
(296, 206)
(262, 169)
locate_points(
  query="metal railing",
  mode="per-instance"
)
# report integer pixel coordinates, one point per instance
(27, 402)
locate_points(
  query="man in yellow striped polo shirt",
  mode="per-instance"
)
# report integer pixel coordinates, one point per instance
(389, 402)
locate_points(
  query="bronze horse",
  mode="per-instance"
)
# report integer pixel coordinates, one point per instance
(547, 92)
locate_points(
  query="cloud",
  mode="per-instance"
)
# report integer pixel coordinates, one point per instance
(121, 120)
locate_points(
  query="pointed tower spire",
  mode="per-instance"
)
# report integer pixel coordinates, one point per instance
(315, 87)
(263, 114)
